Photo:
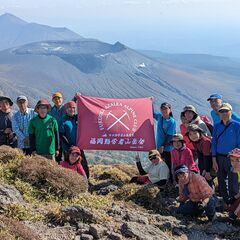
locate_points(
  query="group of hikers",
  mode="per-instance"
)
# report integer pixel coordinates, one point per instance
(189, 160)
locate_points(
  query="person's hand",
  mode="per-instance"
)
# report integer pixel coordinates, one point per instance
(137, 158)
(152, 98)
(204, 203)
(215, 165)
(34, 153)
(208, 176)
(77, 94)
(57, 153)
(8, 131)
(203, 173)
(26, 141)
(161, 149)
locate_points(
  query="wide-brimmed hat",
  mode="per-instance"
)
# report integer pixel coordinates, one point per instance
(2, 98)
(235, 153)
(190, 108)
(43, 102)
(225, 106)
(193, 127)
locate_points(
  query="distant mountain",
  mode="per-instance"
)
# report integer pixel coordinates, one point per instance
(201, 61)
(101, 69)
(15, 32)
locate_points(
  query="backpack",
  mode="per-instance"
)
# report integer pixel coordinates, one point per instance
(208, 122)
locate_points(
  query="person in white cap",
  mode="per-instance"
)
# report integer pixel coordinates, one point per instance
(20, 123)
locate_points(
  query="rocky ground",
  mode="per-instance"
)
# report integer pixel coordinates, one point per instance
(35, 207)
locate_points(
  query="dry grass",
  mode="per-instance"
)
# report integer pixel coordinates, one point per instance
(45, 174)
(12, 229)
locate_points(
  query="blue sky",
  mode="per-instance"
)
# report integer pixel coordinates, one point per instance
(167, 25)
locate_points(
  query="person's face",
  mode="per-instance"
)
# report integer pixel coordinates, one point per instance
(5, 106)
(189, 115)
(235, 161)
(215, 104)
(155, 159)
(177, 144)
(22, 105)
(165, 112)
(225, 115)
(58, 101)
(183, 178)
(74, 157)
(194, 136)
(184, 120)
(42, 111)
(71, 111)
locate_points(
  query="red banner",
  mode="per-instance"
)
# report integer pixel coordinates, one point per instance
(115, 124)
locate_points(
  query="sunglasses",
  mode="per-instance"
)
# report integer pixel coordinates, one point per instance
(75, 154)
(224, 111)
(152, 157)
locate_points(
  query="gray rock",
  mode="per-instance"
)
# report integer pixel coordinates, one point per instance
(115, 236)
(86, 237)
(75, 214)
(82, 228)
(142, 232)
(10, 195)
(107, 189)
(132, 217)
(221, 228)
(97, 230)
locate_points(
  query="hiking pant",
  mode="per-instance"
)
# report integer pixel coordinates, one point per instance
(190, 208)
(227, 179)
(167, 159)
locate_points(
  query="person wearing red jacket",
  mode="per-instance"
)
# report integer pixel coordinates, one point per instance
(73, 162)
(202, 144)
(182, 154)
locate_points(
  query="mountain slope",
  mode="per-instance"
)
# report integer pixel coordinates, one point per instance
(15, 32)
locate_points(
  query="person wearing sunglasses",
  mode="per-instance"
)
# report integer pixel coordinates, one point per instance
(226, 137)
(157, 172)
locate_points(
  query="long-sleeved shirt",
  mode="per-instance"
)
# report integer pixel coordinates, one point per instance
(5, 122)
(166, 128)
(225, 137)
(58, 113)
(156, 173)
(183, 156)
(198, 189)
(203, 147)
(216, 119)
(75, 167)
(20, 123)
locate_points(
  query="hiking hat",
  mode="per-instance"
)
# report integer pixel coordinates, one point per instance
(2, 98)
(43, 102)
(190, 108)
(153, 152)
(165, 105)
(70, 104)
(235, 153)
(74, 149)
(225, 106)
(19, 98)
(57, 94)
(193, 127)
(177, 137)
(181, 169)
(214, 96)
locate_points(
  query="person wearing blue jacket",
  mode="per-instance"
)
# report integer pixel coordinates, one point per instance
(166, 128)
(216, 101)
(226, 137)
